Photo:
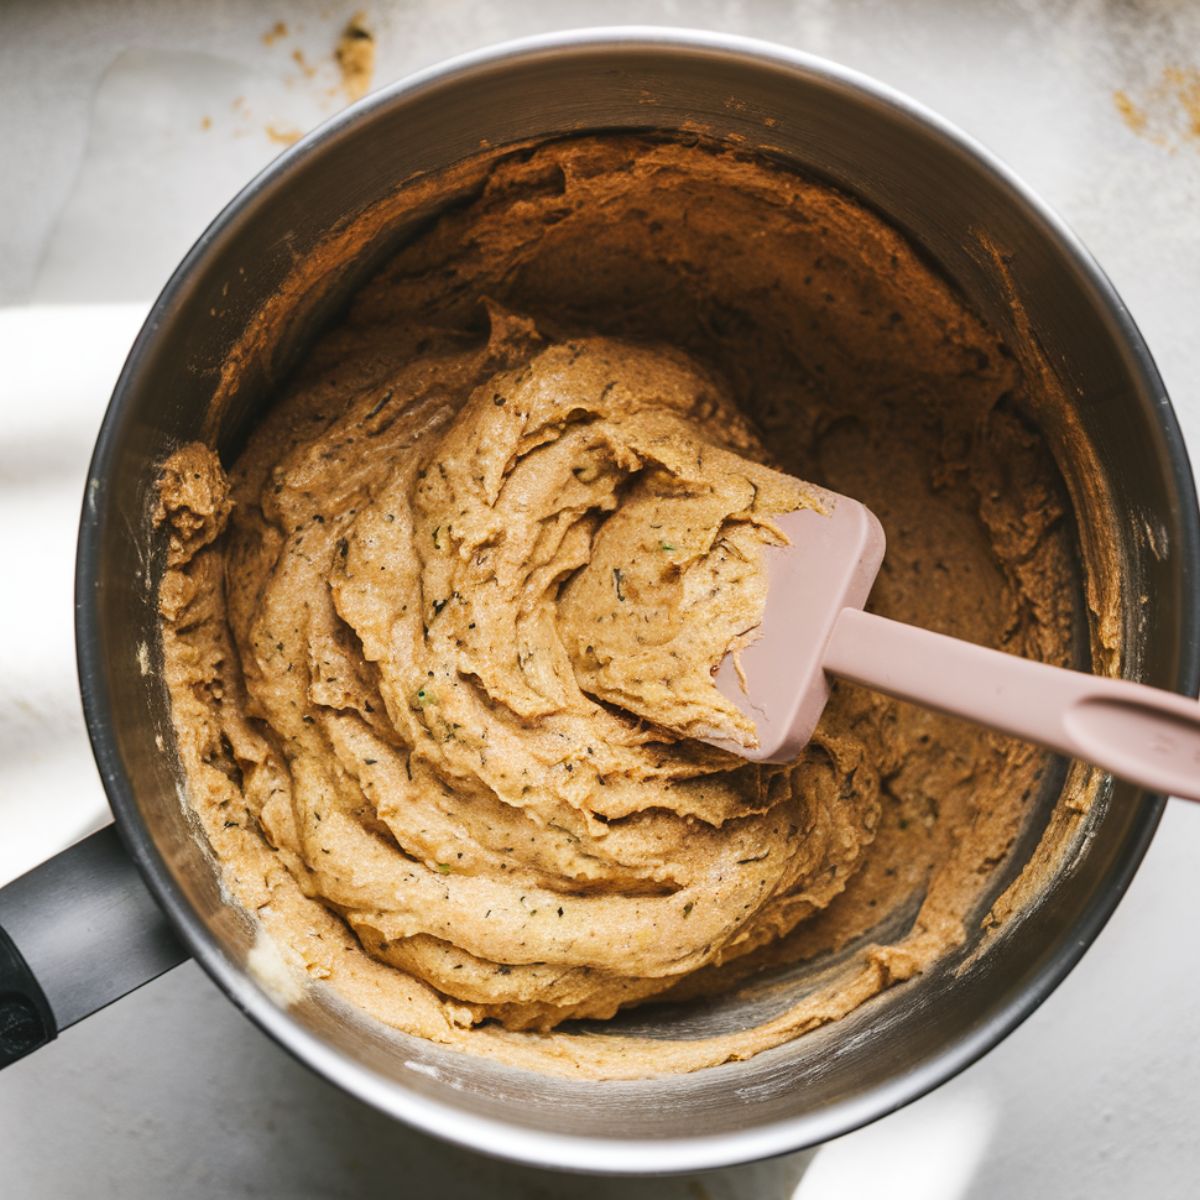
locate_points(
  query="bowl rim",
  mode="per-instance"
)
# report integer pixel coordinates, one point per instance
(606, 1155)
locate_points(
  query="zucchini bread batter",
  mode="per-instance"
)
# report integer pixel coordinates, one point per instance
(439, 642)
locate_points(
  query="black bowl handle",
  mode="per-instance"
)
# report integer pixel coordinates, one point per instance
(76, 933)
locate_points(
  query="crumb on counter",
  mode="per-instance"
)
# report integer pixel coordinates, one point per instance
(355, 56)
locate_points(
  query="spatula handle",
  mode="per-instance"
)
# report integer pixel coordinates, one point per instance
(1147, 736)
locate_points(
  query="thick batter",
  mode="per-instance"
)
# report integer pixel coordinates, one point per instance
(440, 643)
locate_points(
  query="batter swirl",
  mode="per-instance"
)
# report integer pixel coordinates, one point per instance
(439, 641)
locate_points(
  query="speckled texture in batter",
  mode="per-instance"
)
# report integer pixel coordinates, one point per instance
(439, 641)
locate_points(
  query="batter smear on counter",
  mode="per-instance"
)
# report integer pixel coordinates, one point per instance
(439, 642)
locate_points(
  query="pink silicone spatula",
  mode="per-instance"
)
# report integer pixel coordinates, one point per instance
(814, 626)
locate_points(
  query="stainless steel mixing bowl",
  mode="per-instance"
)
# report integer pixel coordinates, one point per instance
(932, 182)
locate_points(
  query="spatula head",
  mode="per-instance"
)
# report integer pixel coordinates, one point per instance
(830, 564)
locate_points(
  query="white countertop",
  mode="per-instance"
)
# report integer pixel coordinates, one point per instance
(126, 128)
